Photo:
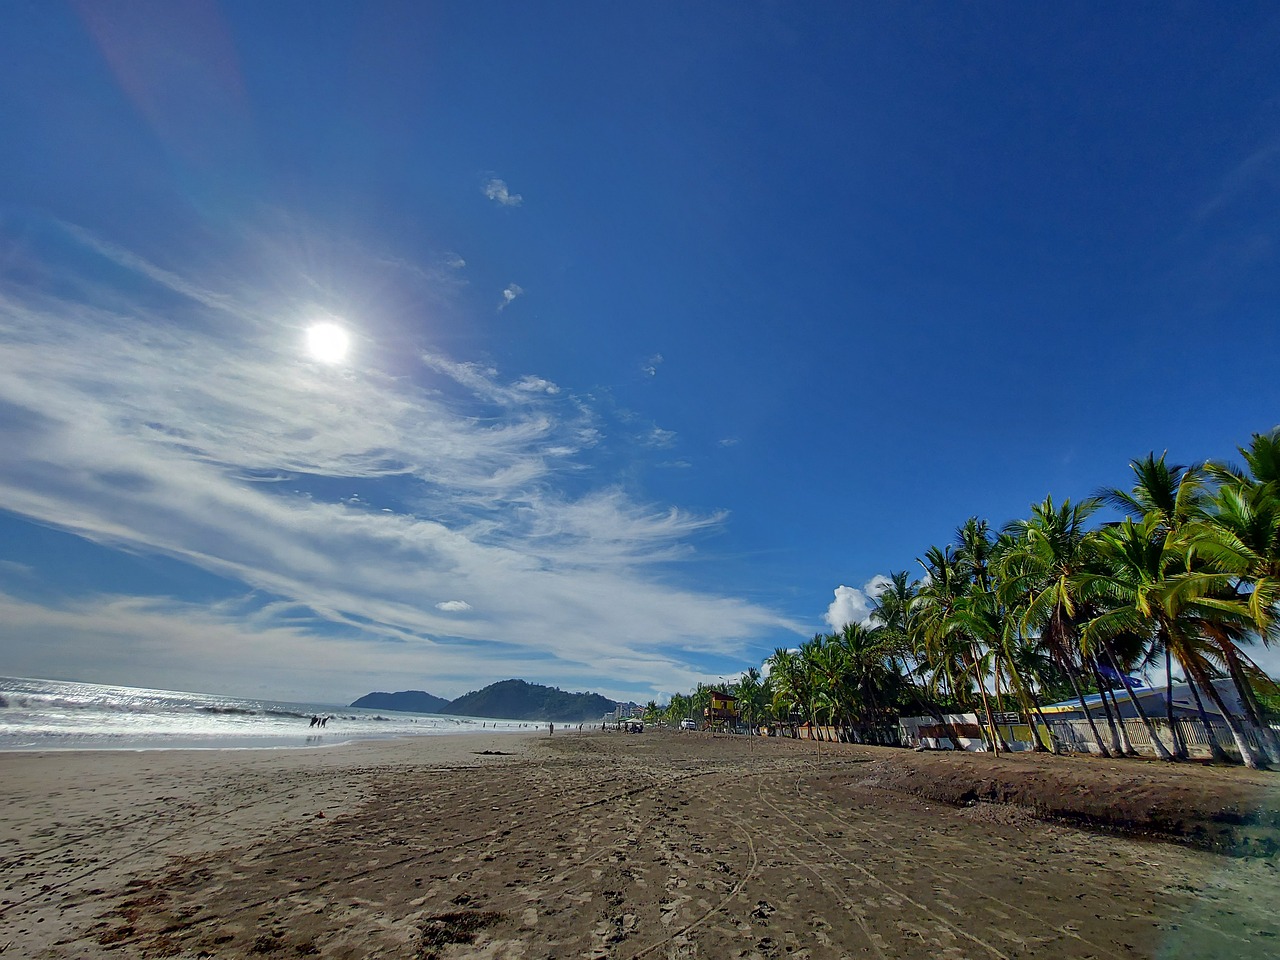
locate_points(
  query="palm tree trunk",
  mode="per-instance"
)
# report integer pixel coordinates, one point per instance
(1253, 713)
(986, 707)
(1161, 752)
(1075, 686)
(1048, 731)
(1106, 707)
(1179, 748)
(1031, 705)
(1215, 749)
(1004, 744)
(1122, 724)
(1247, 754)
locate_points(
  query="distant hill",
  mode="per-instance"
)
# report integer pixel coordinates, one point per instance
(408, 701)
(518, 700)
(505, 700)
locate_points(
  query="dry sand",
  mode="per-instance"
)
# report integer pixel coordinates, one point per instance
(608, 845)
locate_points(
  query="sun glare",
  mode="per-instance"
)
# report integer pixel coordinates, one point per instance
(327, 342)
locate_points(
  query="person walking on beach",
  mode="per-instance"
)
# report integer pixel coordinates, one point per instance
(551, 728)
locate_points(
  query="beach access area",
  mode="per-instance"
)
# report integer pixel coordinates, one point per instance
(667, 844)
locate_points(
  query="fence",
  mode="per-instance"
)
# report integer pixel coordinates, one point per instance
(1075, 736)
(884, 736)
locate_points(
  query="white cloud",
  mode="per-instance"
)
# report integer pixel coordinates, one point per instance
(658, 437)
(509, 293)
(650, 366)
(453, 606)
(730, 442)
(155, 433)
(496, 190)
(852, 605)
(536, 385)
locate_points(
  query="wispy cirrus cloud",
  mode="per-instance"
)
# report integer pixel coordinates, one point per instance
(153, 430)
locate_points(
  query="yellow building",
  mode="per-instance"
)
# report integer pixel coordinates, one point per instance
(722, 711)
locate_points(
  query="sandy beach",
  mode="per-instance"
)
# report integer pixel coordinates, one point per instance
(609, 845)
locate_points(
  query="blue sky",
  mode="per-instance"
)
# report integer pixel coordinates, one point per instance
(666, 320)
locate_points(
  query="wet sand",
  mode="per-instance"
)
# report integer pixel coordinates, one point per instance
(603, 845)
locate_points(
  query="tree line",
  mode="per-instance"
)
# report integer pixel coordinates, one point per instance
(1057, 606)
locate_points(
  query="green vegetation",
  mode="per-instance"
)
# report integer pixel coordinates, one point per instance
(507, 700)
(518, 700)
(410, 701)
(1051, 607)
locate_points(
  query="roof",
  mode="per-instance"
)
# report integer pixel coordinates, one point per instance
(1182, 698)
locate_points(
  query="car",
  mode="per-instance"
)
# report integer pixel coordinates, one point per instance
(688, 725)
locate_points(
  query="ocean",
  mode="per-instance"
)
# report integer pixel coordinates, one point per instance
(67, 715)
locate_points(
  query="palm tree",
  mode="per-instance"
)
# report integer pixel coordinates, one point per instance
(751, 697)
(1144, 577)
(680, 708)
(944, 619)
(1171, 495)
(1240, 535)
(789, 683)
(1042, 575)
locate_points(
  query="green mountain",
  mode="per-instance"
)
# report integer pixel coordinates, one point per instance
(518, 700)
(505, 700)
(408, 701)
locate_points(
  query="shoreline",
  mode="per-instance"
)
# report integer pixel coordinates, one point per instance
(244, 745)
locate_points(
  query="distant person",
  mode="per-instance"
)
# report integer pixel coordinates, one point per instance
(551, 728)
(315, 720)
(324, 721)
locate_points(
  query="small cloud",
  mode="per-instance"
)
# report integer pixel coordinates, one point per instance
(657, 437)
(650, 366)
(537, 385)
(730, 442)
(496, 190)
(512, 291)
(676, 465)
(852, 605)
(453, 606)
(876, 586)
(454, 261)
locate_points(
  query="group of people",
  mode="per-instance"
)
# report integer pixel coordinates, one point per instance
(318, 721)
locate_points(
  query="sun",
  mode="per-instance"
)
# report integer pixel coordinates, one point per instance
(327, 342)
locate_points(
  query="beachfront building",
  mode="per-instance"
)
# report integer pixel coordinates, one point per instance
(1068, 727)
(1153, 703)
(721, 712)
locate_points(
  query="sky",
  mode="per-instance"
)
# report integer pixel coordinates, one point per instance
(351, 347)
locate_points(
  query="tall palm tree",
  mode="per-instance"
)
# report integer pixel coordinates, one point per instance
(680, 708)
(951, 651)
(1042, 575)
(1144, 577)
(1240, 535)
(751, 692)
(789, 683)
(1171, 496)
